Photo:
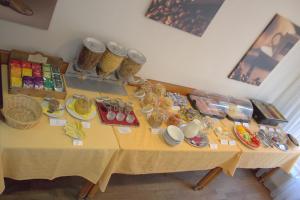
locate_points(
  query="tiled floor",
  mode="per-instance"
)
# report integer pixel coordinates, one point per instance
(243, 186)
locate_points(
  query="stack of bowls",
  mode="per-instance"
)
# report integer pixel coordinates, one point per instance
(173, 135)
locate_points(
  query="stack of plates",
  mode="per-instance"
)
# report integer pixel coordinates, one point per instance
(173, 135)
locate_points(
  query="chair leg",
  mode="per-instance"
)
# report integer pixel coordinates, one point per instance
(266, 175)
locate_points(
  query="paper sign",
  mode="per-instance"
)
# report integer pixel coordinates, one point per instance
(77, 142)
(37, 58)
(237, 123)
(263, 128)
(86, 124)
(57, 122)
(246, 125)
(213, 146)
(155, 130)
(124, 130)
(224, 142)
(232, 142)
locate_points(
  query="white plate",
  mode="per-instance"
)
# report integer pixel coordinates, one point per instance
(76, 115)
(58, 114)
(175, 133)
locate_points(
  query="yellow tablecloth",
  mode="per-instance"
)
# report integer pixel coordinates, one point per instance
(265, 157)
(143, 152)
(45, 152)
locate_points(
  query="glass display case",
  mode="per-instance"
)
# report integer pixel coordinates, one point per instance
(209, 104)
(239, 110)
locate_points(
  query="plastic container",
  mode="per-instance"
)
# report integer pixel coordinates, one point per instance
(90, 54)
(132, 64)
(112, 58)
(239, 110)
(213, 105)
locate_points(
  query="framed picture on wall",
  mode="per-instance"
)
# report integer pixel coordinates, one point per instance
(36, 13)
(192, 16)
(268, 50)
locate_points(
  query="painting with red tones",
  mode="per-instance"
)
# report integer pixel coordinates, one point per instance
(192, 16)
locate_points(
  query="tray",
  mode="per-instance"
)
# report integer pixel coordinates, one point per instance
(198, 141)
(102, 111)
(265, 113)
(35, 58)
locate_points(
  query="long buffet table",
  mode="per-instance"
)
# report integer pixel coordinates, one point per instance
(46, 152)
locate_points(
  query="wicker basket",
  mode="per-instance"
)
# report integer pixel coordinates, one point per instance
(21, 111)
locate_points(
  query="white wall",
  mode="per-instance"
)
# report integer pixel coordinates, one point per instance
(173, 55)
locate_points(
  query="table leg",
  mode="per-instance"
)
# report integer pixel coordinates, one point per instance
(210, 176)
(266, 175)
(84, 191)
(93, 191)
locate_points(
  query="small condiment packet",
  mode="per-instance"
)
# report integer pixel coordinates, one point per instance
(232, 142)
(224, 142)
(246, 125)
(237, 123)
(124, 130)
(155, 130)
(213, 146)
(86, 124)
(262, 128)
(57, 122)
(77, 142)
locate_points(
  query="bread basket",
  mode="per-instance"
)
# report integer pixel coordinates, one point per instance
(21, 111)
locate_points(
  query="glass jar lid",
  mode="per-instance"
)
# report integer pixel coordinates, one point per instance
(136, 56)
(116, 48)
(94, 45)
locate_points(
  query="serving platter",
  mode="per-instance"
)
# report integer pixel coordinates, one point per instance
(198, 141)
(56, 114)
(254, 142)
(265, 138)
(70, 108)
(279, 140)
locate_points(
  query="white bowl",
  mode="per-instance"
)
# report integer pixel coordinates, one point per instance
(169, 140)
(175, 133)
